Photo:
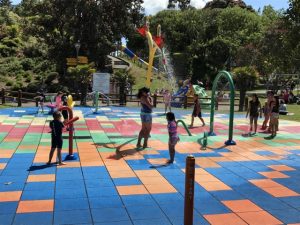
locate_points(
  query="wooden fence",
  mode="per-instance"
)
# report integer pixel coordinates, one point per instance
(20, 97)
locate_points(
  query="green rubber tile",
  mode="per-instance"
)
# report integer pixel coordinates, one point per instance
(9, 145)
(106, 149)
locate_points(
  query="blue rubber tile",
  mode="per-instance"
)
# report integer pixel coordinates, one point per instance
(292, 201)
(175, 179)
(95, 173)
(268, 202)
(12, 186)
(290, 183)
(232, 180)
(6, 219)
(71, 204)
(4, 160)
(164, 221)
(33, 218)
(106, 202)
(179, 186)
(229, 164)
(72, 217)
(38, 195)
(227, 195)
(198, 220)
(265, 153)
(171, 172)
(8, 207)
(36, 186)
(46, 170)
(70, 184)
(218, 171)
(286, 216)
(15, 173)
(70, 193)
(168, 198)
(137, 162)
(69, 174)
(138, 200)
(145, 212)
(115, 223)
(108, 215)
(101, 192)
(210, 206)
(173, 210)
(127, 181)
(246, 173)
(99, 183)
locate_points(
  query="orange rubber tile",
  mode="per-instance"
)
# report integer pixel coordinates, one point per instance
(259, 218)
(153, 180)
(92, 163)
(147, 173)
(214, 186)
(2, 166)
(41, 178)
(11, 196)
(242, 206)
(281, 168)
(160, 189)
(265, 183)
(206, 178)
(35, 206)
(281, 191)
(221, 219)
(132, 190)
(6, 154)
(206, 163)
(122, 174)
(294, 224)
(274, 174)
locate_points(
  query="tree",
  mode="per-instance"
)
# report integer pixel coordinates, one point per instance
(182, 4)
(81, 75)
(5, 3)
(245, 79)
(124, 80)
(98, 25)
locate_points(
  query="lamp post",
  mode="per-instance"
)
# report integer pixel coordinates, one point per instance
(77, 47)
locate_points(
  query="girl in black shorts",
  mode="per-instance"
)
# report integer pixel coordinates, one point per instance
(255, 110)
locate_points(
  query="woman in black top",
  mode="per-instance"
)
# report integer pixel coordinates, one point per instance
(255, 110)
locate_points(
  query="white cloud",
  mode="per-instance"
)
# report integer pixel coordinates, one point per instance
(154, 6)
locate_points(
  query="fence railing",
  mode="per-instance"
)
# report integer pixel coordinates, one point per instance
(21, 97)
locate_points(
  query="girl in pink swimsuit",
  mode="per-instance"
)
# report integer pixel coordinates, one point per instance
(173, 136)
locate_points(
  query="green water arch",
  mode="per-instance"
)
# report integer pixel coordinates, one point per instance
(228, 76)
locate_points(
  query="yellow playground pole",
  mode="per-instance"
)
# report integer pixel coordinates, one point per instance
(152, 50)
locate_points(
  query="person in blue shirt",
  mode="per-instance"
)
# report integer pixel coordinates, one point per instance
(146, 116)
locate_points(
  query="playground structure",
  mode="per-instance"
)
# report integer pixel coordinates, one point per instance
(70, 123)
(188, 90)
(133, 56)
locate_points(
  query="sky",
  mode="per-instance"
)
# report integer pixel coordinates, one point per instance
(153, 6)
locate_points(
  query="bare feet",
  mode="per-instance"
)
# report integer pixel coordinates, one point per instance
(203, 125)
(61, 163)
(48, 163)
(138, 146)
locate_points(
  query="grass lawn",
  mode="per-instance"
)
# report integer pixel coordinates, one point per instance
(293, 109)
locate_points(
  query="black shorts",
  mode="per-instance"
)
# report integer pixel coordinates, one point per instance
(199, 114)
(65, 114)
(56, 143)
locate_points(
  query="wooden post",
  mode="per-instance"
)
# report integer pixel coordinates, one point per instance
(3, 96)
(20, 98)
(185, 102)
(189, 190)
(154, 100)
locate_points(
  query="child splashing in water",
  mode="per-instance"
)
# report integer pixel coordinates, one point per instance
(173, 136)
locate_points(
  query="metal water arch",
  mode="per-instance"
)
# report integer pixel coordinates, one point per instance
(228, 76)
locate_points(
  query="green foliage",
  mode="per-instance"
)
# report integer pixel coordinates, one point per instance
(245, 77)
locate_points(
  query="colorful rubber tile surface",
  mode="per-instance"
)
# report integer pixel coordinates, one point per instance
(110, 181)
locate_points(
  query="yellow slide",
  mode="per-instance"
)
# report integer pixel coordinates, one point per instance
(70, 101)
